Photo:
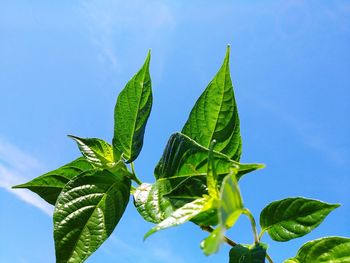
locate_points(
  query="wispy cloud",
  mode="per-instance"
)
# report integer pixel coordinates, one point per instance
(17, 167)
(111, 24)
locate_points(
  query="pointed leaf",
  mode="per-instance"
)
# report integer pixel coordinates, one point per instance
(182, 215)
(293, 217)
(248, 254)
(96, 151)
(131, 113)
(215, 115)
(150, 203)
(48, 186)
(87, 211)
(324, 250)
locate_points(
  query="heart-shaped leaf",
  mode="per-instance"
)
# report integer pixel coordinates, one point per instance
(87, 211)
(131, 113)
(48, 186)
(323, 250)
(215, 115)
(96, 151)
(248, 254)
(293, 217)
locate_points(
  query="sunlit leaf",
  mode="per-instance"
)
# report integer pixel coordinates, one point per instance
(324, 250)
(293, 217)
(87, 211)
(131, 113)
(96, 151)
(215, 115)
(48, 186)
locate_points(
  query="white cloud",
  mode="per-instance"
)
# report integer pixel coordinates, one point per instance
(111, 24)
(18, 167)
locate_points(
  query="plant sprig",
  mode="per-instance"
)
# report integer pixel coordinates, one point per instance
(196, 180)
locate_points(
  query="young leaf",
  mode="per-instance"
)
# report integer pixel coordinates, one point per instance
(211, 244)
(324, 250)
(231, 201)
(150, 203)
(87, 211)
(293, 217)
(48, 186)
(248, 254)
(96, 151)
(131, 113)
(183, 214)
(215, 115)
(230, 208)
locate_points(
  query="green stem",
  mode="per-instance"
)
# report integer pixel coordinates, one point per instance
(261, 234)
(269, 258)
(252, 223)
(137, 180)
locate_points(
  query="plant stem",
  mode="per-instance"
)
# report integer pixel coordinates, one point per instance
(226, 239)
(261, 234)
(253, 224)
(269, 258)
(137, 180)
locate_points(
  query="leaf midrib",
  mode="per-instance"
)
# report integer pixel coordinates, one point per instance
(137, 110)
(105, 194)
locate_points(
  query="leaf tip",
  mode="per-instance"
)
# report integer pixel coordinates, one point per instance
(150, 232)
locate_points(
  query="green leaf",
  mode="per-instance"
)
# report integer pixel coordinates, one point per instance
(229, 209)
(48, 186)
(215, 115)
(212, 177)
(293, 217)
(324, 250)
(150, 203)
(231, 201)
(211, 244)
(248, 254)
(96, 151)
(131, 113)
(87, 211)
(185, 160)
(183, 214)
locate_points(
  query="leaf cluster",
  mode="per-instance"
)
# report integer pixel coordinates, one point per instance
(196, 180)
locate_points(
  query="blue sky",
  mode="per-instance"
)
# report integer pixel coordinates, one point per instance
(62, 64)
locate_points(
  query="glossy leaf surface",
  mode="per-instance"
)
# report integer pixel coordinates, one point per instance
(324, 250)
(150, 203)
(131, 113)
(182, 214)
(87, 211)
(185, 160)
(293, 217)
(48, 186)
(248, 254)
(215, 115)
(96, 151)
